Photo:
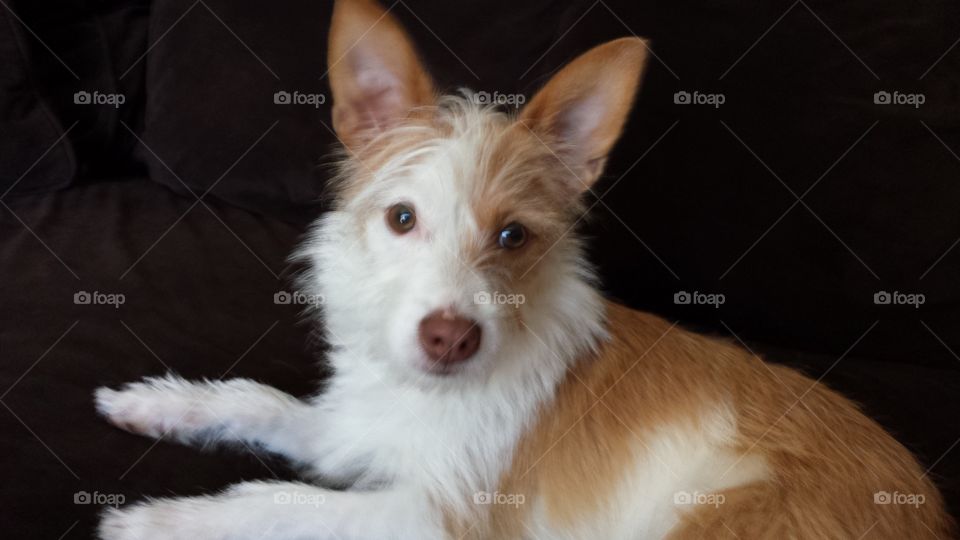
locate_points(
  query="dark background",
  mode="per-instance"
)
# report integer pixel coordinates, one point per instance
(798, 199)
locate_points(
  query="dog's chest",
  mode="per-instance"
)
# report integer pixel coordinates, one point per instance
(456, 444)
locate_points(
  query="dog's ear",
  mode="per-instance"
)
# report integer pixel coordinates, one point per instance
(582, 109)
(375, 74)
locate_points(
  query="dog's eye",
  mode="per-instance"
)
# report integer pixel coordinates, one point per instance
(512, 236)
(401, 218)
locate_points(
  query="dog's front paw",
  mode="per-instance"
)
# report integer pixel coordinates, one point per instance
(135, 409)
(154, 408)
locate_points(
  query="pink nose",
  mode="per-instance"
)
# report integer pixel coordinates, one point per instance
(448, 338)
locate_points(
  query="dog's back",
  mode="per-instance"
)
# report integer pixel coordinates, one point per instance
(667, 433)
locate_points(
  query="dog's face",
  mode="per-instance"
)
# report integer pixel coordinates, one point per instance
(454, 228)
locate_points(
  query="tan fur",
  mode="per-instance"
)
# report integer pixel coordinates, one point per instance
(517, 182)
(361, 29)
(826, 458)
(608, 76)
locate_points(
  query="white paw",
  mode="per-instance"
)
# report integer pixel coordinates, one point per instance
(153, 408)
(159, 520)
(227, 516)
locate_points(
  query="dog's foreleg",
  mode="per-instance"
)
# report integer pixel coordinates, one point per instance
(278, 511)
(232, 411)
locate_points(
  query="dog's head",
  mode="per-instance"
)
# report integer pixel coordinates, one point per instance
(454, 229)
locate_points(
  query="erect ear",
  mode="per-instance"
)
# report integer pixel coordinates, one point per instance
(582, 109)
(375, 75)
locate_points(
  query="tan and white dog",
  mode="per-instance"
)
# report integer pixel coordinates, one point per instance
(483, 388)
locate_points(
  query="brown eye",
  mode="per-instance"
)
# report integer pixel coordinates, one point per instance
(512, 236)
(401, 218)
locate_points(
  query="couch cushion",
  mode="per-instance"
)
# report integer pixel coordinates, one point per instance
(34, 156)
(86, 61)
(198, 290)
(213, 76)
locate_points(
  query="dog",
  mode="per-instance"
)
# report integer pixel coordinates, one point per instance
(483, 387)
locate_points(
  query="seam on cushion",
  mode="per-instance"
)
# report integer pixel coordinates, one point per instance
(54, 122)
(110, 75)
